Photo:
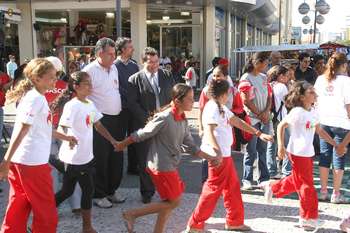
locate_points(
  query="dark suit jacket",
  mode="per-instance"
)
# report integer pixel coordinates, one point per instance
(141, 98)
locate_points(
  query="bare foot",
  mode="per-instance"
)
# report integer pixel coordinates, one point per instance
(129, 221)
(89, 230)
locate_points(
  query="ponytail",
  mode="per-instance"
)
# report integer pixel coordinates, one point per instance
(216, 89)
(19, 91)
(333, 65)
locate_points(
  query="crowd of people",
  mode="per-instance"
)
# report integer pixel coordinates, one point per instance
(79, 123)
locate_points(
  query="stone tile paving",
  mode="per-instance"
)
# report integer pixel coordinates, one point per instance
(280, 217)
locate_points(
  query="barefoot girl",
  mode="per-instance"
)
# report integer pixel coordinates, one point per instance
(168, 131)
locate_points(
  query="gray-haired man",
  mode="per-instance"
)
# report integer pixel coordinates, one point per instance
(106, 97)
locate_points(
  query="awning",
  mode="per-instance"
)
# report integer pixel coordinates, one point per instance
(268, 48)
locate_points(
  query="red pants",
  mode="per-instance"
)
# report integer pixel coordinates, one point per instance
(300, 181)
(30, 190)
(221, 181)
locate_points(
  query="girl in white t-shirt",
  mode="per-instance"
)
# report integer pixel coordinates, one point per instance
(333, 107)
(302, 122)
(78, 118)
(218, 121)
(26, 160)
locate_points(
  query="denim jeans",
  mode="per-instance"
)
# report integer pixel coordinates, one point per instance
(328, 154)
(256, 148)
(1, 127)
(271, 153)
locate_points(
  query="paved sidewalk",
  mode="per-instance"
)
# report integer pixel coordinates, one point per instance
(280, 217)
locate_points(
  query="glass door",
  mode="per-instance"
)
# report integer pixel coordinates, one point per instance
(182, 42)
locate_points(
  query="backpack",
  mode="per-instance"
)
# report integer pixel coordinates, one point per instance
(275, 112)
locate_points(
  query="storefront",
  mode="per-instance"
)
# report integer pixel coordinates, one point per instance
(9, 34)
(185, 29)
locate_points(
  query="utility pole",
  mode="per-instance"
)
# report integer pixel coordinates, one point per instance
(315, 25)
(118, 18)
(280, 22)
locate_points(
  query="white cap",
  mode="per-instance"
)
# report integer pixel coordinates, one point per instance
(56, 63)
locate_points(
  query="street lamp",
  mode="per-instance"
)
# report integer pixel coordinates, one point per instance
(321, 7)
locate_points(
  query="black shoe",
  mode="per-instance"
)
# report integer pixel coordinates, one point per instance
(146, 199)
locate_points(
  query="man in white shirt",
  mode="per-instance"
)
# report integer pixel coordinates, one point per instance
(106, 97)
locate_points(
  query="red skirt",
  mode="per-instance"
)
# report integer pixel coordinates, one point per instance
(168, 184)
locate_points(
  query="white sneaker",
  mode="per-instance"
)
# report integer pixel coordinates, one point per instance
(103, 203)
(266, 185)
(339, 199)
(247, 185)
(116, 198)
(311, 224)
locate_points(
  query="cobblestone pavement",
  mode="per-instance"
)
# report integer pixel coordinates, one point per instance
(279, 217)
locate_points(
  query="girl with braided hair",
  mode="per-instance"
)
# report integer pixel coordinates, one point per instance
(217, 139)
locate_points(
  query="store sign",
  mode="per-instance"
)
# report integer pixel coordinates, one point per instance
(296, 33)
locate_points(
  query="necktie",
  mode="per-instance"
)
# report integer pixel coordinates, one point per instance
(155, 90)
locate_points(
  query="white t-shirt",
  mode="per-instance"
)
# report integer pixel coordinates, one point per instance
(302, 126)
(222, 132)
(79, 118)
(105, 88)
(280, 90)
(331, 101)
(35, 146)
(191, 77)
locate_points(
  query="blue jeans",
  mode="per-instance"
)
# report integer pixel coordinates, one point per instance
(256, 148)
(328, 154)
(271, 153)
(1, 122)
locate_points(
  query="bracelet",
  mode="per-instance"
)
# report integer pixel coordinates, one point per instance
(258, 133)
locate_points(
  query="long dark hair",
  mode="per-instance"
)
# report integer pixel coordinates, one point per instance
(75, 79)
(216, 89)
(293, 98)
(333, 65)
(256, 58)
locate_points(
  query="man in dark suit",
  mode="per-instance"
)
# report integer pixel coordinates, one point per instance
(148, 90)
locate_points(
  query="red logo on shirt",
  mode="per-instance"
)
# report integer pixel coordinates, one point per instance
(49, 119)
(89, 120)
(329, 88)
(309, 125)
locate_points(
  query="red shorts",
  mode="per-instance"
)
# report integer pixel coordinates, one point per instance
(168, 184)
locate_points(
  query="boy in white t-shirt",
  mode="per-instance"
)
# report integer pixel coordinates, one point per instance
(78, 118)
(218, 121)
(302, 122)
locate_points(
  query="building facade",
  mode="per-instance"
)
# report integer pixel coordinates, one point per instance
(195, 29)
